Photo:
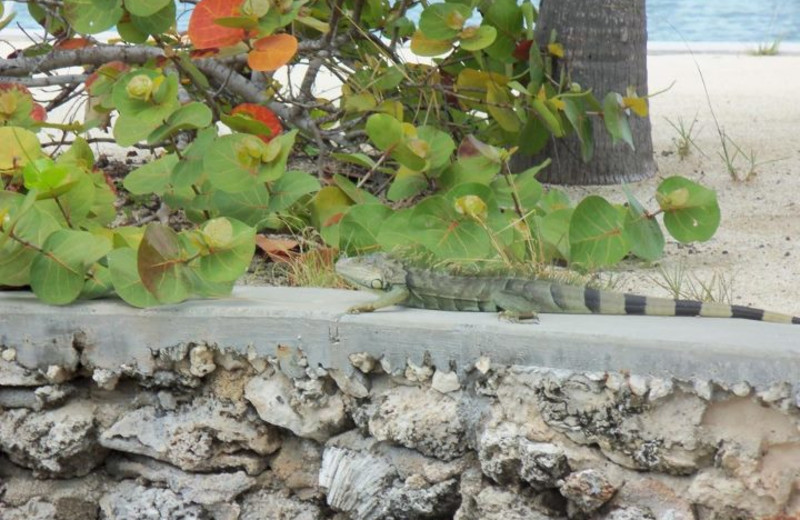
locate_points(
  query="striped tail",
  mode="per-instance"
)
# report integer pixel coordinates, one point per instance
(602, 302)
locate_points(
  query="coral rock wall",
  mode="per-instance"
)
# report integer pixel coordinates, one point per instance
(212, 434)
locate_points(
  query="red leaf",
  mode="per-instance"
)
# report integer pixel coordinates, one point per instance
(73, 43)
(5, 87)
(262, 114)
(522, 49)
(205, 34)
(38, 113)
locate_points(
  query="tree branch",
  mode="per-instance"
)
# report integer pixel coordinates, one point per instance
(217, 71)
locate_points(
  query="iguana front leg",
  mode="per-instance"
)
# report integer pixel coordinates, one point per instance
(397, 294)
(516, 308)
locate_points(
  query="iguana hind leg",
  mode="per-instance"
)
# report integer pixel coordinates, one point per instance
(515, 308)
(397, 294)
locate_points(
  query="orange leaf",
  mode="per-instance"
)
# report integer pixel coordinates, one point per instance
(73, 43)
(262, 114)
(204, 33)
(278, 249)
(272, 52)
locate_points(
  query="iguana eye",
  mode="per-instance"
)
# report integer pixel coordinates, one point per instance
(377, 283)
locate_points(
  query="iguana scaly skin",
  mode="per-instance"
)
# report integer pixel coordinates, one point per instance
(402, 284)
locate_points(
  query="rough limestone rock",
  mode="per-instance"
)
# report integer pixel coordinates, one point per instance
(630, 513)
(631, 431)
(198, 488)
(313, 409)
(202, 435)
(13, 374)
(657, 495)
(36, 509)
(18, 486)
(718, 496)
(507, 458)
(297, 465)
(61, 442)
(132, 500)
(480, 500)
(587, 490)
(264, 504)
(371, 480)
(421, 419)
(48, 509)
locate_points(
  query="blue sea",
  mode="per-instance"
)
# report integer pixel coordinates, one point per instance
(676, 20)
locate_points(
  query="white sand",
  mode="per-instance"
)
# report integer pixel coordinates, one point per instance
(757, 248)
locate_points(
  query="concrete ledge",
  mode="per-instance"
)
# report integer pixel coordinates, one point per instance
(257, 320)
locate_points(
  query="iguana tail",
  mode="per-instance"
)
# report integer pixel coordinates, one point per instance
(602, 302)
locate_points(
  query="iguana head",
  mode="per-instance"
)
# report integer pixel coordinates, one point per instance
(377, 272)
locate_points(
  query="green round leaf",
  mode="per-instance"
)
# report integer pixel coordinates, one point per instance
(92, 16)
(31, 226)
(356, 194)
(506, 17)
(20, 146)
(642, 232)
(292, 186)
(58, 274)
(152, 177)
(499, 103)
(158, 22)
(480, 39)
(448, 234)
(616, 120)
(358, 229)
(98, 283)
(327, 209)
(147, 110)
(125, 278)
(131, 33)
(596, 235)
(275, 167)
(443, 21)
(231, 245)
(553, 230)
(691, 211)
(528, 190)
(396, 231)
(440, 143)
(189, 116)
(533, 137)
(428, 47)
(146, 7)
(162, 264)
(231, 163)
(250, 206)
(407, 183)
(384, 131)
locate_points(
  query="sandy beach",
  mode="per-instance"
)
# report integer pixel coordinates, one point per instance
(757, 248)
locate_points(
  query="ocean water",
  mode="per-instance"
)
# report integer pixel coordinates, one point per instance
(668, 20)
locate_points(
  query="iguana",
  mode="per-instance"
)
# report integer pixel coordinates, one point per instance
(400, 283)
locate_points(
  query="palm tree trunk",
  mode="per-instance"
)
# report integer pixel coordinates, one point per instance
(606, 50)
